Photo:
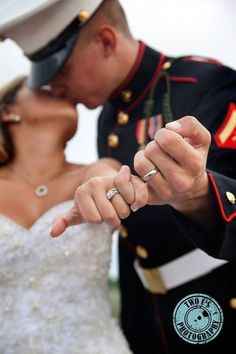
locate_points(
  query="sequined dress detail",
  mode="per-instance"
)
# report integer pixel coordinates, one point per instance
(53, 292)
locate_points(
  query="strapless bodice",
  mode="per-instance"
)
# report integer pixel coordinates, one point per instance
(54, 294)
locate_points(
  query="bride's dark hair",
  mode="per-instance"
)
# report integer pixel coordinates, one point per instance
(7, 97)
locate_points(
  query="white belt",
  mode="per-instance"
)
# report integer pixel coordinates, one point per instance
(177, 272)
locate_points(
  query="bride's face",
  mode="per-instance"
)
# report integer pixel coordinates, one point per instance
(42, 107)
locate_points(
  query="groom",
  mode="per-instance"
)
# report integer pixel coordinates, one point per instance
(85, 50)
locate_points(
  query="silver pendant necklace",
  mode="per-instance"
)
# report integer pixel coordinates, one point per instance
(40, 190)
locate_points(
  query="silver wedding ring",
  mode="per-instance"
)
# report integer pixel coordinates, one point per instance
(150, 174)
(110, 194)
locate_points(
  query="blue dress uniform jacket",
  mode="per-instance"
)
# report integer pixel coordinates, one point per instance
(159, 261)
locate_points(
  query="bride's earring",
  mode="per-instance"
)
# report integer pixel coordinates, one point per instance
(16, 118)
(13, 118)
(8, 117)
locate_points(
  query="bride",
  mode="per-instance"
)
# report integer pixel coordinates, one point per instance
(54, 295)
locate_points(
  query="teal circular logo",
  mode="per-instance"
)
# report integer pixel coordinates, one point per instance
(198, 318)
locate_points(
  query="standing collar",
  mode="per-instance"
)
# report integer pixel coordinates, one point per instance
(137, 84)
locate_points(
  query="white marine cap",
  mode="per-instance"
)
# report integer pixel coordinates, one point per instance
(46, 30)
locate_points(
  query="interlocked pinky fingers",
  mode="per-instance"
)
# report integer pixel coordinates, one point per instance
(141, 193)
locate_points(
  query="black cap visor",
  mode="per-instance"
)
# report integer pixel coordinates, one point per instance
(43, 71)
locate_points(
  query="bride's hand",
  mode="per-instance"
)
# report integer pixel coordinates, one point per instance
(93, 206)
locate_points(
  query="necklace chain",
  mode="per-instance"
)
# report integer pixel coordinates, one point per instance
(40, 190)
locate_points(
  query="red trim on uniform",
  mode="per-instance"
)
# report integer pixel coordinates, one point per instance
(226, 218)
(203, 60)
(193, 80)
(156, 73)
(132, 72)
(160, 324)
(225, 137)
(137, 130)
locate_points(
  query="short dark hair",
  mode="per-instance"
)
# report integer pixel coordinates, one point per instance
(110, 12)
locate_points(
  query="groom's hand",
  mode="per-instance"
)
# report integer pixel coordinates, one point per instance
(179, 154)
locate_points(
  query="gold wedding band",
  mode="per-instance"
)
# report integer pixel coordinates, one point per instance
(150, 174)
(110, 194)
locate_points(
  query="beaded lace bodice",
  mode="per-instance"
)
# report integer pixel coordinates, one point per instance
(53, 292)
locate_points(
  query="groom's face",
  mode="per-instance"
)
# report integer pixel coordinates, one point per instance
(84, 78)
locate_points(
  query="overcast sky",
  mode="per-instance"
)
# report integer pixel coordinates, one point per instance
(174, 27)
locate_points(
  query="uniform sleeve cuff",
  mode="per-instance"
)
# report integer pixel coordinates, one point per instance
(224, 189)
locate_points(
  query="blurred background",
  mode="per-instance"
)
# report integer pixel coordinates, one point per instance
(174, 27)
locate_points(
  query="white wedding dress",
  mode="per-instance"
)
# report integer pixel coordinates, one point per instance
(53, 292)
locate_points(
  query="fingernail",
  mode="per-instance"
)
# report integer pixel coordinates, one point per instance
(51, 233)
(173, 125)
(135, 209)
(124, 169)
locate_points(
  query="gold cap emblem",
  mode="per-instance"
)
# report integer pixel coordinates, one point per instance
(141, 252)
(126, 95)
(83, 16)
(123, 118)
(113, 141)
(231, 197)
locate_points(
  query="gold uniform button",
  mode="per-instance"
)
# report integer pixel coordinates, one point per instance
(166, 65)
(232, 303)
(123, 231)
(123, 118)
(126, 95)
(231, 197)
(113, 141)
(83, 16)
(141, 252)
